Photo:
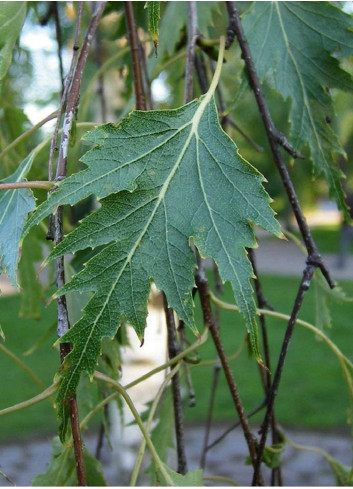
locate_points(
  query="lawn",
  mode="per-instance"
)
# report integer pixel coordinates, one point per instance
(312, 393)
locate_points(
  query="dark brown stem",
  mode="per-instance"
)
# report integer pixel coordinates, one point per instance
(273, 138)
(53, 144)
(173, 350)
(262, 303)
(304, 286)
(145, 78)
(191, 391)
(234, 426)
(134, 46)
(190, 51)
(203, 289)
(71, 96)
(216, 371)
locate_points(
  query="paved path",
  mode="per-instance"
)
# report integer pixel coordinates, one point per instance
(21, 462)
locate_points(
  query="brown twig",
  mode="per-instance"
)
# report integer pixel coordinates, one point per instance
(262, 303)
(71, 96)
(272, 135)
(190, 51)
(59, 42)
(203, 289)
(134, 45)
(314, 260)
(173, 350)
(304, 286)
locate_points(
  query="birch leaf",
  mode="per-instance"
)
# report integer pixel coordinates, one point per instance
(296, 48)
(175, 178)
(12, 16)
(14, 208)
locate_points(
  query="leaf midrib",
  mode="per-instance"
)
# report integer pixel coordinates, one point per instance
(193, 132)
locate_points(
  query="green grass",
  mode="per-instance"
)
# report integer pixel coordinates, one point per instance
(312, 393)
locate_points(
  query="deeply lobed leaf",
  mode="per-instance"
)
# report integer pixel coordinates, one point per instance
(174, 178)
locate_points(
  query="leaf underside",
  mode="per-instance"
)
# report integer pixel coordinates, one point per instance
(296, 48)
(12, 16)
(14, 208)
(174, 177)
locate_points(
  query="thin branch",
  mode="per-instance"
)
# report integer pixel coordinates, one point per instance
(136, 66)
(314, 259)
(22, 365)
(304, 286)
(273, 138)
(31, 184)
(53, 144)
(71, 94)
(190, 51)
(100, 89)
(204, 293)
(30, 402)
(276, 473)
(26, 134)
(173, 350)
(234, 426)
(59, 42)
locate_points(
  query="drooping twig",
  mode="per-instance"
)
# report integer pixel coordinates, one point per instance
(204, 294)
(215, 378)
(190, 51)
(272, 135)
(59, 42)
(173, 350)
(134, 46)
(53, 144)
(100, 89)
(234, 426)
(71, 94)
(27, 133)
(189, 385)
(276, 473)
(304, 286)
(314, 260)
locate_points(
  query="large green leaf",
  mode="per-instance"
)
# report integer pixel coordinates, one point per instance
(12, 16)
(14, 208)
(187, 184)
(296, 48)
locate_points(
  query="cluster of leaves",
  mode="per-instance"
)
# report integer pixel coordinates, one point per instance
(170, 181)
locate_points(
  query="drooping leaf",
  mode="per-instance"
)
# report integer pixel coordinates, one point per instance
(14, 208)
(31, 288)
(12, 16)
(187, 183)
(193, 478)
(176, 14)
(296, 48)
(323, 297)
(342, 473)
(154, 9)
(62, 468)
